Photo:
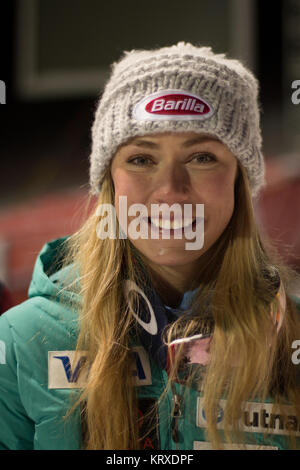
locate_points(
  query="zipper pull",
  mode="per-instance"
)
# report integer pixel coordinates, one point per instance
(176, 414)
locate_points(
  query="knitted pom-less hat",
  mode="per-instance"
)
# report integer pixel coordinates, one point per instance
(181, 88)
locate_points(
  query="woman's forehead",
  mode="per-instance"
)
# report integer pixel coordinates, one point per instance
(184, 138)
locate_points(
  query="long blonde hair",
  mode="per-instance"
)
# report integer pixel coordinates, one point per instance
(248, 359)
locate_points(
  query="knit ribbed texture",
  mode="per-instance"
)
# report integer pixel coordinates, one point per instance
(225, 84)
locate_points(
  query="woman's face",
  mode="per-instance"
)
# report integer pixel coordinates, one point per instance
(182, 168)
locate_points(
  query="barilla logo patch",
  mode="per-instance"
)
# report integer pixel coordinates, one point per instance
(172, 104)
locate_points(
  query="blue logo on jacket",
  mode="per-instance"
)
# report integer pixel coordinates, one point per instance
(219, 416)
(72, 376)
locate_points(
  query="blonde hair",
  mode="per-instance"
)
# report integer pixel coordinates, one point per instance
(248, 359)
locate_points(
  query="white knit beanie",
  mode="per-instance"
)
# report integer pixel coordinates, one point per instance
(180, 88)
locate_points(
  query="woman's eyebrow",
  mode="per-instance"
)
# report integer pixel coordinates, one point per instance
(200, 139)
(187, 143)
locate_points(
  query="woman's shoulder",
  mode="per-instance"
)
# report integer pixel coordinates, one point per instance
(35, 336)
(49, 314)
(39, 323)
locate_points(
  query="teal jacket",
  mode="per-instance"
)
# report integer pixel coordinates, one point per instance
(39, 380)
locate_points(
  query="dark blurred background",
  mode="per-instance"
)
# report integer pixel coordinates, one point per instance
(55, 57)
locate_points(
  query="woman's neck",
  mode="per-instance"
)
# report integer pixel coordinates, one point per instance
(172, 282)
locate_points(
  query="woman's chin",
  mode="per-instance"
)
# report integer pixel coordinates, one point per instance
(171, 257)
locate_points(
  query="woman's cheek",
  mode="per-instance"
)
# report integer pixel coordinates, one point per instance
(217, 195)
(130, 183)
(124, 188)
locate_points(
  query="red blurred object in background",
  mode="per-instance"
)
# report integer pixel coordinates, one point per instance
(24, 229)
(6, 299)
(278, 210)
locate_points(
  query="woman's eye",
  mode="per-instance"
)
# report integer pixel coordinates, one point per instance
(204, 158)
(140, 161)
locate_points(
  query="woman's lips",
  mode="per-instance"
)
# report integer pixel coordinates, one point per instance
(173, 228)
(169, 224)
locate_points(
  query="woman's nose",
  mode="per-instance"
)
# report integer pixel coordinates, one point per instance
(172, 184)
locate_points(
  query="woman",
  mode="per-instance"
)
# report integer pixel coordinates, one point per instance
(168, 329)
